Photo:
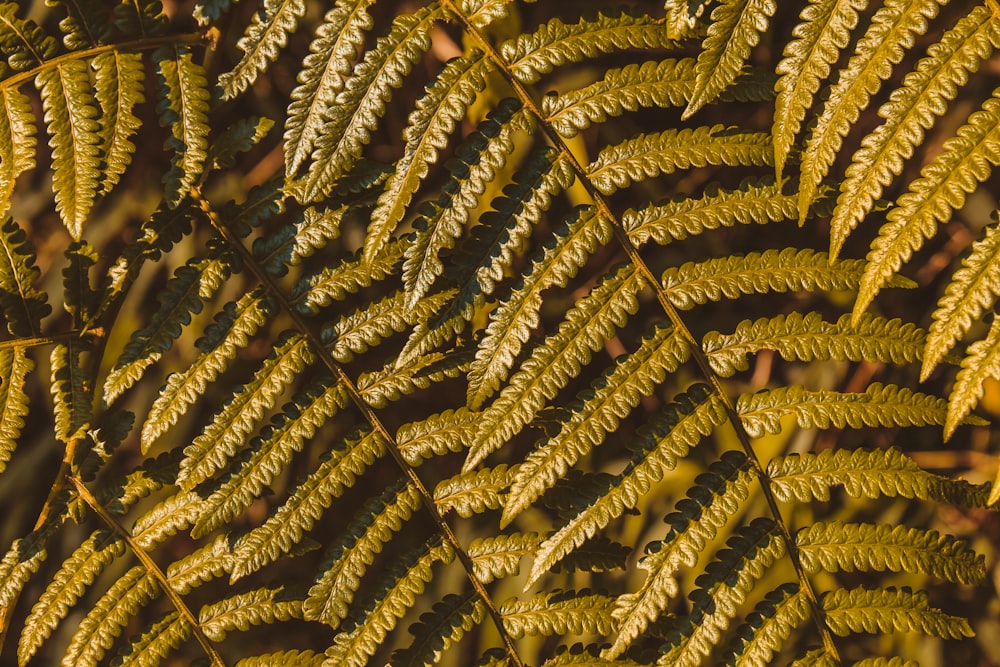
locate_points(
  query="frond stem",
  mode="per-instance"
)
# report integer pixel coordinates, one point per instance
(151, 567)
(40, 341)
(369, 414)
(650, 278)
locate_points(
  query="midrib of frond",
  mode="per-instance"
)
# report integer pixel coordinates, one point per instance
(649, 277)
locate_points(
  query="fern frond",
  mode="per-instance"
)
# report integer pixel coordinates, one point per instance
(499, 556)
(380, 388)
(348, 558)
(72, 392)
(263, 40)
(17, 141)
(596, 412)
(283, 659)
(201, 566)
(14, 368)
(735, 28)
(334, 283)
(23, 306)
(716, 496)
(892, 31)
(292, 243)
(23, 559)
(808, 337)
(650, 155)
(436, 435)
(431, 124)
(558, 613)
(865, 547)
(912, 107)
(823, 30)
(406, 580)
(768, 626)
(555, 361)
(23, 41)
(183, 107)
(965, 161)
(155, 643)
(439, 629)
(662, 442)
(243, 610)
(475, 492)
(981, 361)
(865, 473)
(118, 78)
(881, 611)
(512, 321)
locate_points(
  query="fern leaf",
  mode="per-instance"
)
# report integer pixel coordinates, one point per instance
(531, 56)
(334, 283)
(23, 559)
(865, 473)
(965, 161)
(324, 70)
(232, 330)
(184, 295)
(878, 406)
(22, 40)
(722, 589)
(200, 566)
(471, 493)
(555, 361)
(662, 443)
(312, 496)
(283, 659)
(824, 29)
(768, 627)
(439, 629)
(14, 368)
(392, 601)
(499, 557)
(735, 28)
(595, 413)
(717, 496)
(650, 155)
(511, 323)
(864, 547)
(892, 31)
(981, 361)
(80, 297)
(431, 124)
(243, 610)
(881, 611)
(292, 243)
(183, 107)
(84, 26)
(119, 81)
(72, 394)
(155, 643)
(229, 429)
(477, 162)
(349, 556)
(972, 291)
(910, 111)
(238, 138)
(380, 388)
(808, 337)
(269, 453)
(436, 435)
(263, 40)
(558, 613)
(17, 141)
(754, 202)
(357, 108)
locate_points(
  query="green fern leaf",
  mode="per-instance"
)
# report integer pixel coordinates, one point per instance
(85, 24)
(912, 107)
(81, 299)
(878, 406)
(324, 70)
(334, 283)
(768, 627)
(650, 155)
(436, 435)
(965, 161)
(892, 31)
(511, 323)
(973, 290)
(531, 56)
(292, 243)
(471, 493)
(118, 78)
(595, 413)
(243, 610)
(406, 580)
(735, 28)
(439, 629)
(184, 295)
(14, 368)
(558, 613)
(283, 659)
(663, 441)
(23, 559)
(231, 332)
(357, 108)
(200, 566)
(500, 556)
(882, 611)
(864, 547)
(808, 337)
(156, 643)
(233, 424)
(72, 394)
(380, 388)
(555, 361)
(183, 107)
(17, 141)
(865, 473)
(266, 35)
(349, 556)
(722, 589)
(717, 495)
(22, 40)
(982, 361)
(431, 124)
(824, 29)
(312, 496)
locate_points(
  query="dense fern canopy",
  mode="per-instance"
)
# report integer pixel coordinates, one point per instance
(498, 333)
